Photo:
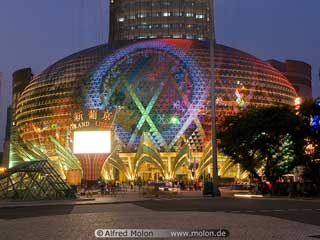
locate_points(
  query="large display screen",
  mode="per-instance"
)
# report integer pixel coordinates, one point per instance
(91, 142)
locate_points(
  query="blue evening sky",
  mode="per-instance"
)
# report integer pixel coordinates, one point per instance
(36, 33)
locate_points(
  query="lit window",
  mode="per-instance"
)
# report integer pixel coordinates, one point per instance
(121, 19)
(142, 15)
(166, 14)
(189, 14)
(199, 16)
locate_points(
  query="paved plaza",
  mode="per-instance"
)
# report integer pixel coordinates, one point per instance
(244, 218)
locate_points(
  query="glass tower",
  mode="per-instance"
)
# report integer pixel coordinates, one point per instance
(145, 19)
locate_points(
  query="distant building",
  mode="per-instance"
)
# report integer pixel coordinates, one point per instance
(0, 82)
(143, 19)
(2, 119)
(20, 79)
(1, 159)
(299, 74)
(6, 144)
(1, 102)
(318, 93)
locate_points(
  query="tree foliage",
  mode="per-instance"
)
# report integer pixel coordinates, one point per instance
(309, 110)
(267, 139)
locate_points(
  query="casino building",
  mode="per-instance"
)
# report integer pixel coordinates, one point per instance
(150, 87)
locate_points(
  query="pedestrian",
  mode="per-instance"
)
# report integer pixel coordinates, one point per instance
(291, 189)
(102, 188)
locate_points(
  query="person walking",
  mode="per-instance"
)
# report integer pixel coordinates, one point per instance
(291, 189)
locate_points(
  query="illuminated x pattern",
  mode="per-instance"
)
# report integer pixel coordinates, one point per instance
(179, 96)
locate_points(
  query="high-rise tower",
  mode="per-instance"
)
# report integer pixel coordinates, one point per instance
(143, 19)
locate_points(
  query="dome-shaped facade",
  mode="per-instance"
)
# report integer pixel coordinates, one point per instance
(160, 87)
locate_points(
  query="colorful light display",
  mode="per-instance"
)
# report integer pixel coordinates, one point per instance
(159, 87)
(315, 122)
(156, 82)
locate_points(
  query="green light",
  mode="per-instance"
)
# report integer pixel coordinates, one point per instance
(174, 120)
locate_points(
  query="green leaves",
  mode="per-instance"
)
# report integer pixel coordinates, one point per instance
(267, 138)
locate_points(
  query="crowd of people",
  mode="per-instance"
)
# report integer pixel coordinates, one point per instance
(290, 189)
(284, 188)
(185, 185)
(113, 187)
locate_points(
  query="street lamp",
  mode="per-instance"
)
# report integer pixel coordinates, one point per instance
(215, 190)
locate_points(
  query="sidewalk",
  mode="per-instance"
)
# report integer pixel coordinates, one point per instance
(126, 197)
(119, 198)
(135, 196)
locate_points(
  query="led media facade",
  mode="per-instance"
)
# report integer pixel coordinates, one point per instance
(158, 87)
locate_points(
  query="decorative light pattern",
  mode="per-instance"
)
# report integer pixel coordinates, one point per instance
(178, 77)
(161, 87)
(315, 122)
(240, 99)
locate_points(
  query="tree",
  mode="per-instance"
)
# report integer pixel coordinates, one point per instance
(266, 139)
(310, 115)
